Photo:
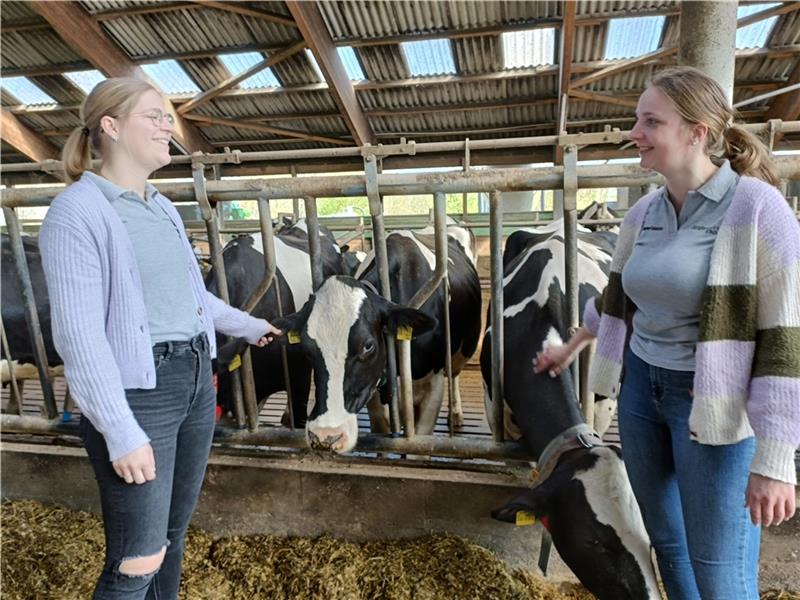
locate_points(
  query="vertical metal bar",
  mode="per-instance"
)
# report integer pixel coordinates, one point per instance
(406, 387)
(448, 358)
(295, 201)
(570, 214)
(496, 258)
(465, 196)
(15, 402)
(314, 249)
(215, 249)
(31, 314)
(382, 264)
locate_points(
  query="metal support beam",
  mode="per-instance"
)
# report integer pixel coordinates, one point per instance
(498, 339)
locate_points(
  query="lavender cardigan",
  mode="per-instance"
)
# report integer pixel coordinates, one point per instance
(100, 325)
(747, 377)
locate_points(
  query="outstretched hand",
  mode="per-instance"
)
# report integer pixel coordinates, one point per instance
(553, 359)
(269, 336)
(770, 501)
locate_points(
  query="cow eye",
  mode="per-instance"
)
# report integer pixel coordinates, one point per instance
(368, 349)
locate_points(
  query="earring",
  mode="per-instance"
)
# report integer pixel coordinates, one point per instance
(694, 142)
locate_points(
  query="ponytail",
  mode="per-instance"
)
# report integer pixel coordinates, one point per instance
(77, 153)
(748, 155)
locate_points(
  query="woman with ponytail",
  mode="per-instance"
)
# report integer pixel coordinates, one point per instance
(135, 326)
(701, 318)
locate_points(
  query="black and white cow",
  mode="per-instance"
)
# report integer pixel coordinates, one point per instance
(583, 496)
(244, 269)
(342, 332)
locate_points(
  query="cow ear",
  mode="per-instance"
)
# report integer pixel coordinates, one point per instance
(295, 321)
(404, 318)
(533, 501)
(344, 248)
(227, 352)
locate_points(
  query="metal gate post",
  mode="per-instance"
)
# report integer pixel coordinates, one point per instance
(314, 249)
(31, 315)
(382, 264)
(498, 349)
(215, 249)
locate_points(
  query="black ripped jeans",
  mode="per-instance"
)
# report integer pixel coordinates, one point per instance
(139, 520)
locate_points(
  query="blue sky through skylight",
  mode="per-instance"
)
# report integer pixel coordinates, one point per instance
(632, 37)
(170, 77)
(755, 35)
(351, 64)
(236, 63)
(429, 57)
(529, 48)
(24, 90)
(86, 80)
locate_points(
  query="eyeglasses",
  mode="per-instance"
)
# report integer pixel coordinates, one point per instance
(157, 117)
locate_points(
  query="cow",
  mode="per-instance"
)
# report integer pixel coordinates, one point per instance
(341, 330)
(582, 494)
(244, 268)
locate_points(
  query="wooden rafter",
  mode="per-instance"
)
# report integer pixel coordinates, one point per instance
(267, 129)
(766, 14)
(25, 140)
(604, 98)
(208, 95)
(624, 65)
(786, 106)
(240, 9)
(316, 34)
(566, 41)
(85, 35)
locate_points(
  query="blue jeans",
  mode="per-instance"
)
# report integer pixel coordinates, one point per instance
(139, 520)
(691, 495)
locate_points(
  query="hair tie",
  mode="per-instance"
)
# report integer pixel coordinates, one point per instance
(85, 131)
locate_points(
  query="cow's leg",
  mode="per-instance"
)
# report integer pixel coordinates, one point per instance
(456, 416)
(378, 414)
(428, 394)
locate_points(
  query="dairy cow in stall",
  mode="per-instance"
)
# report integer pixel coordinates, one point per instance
(582, 494)
(341, 331)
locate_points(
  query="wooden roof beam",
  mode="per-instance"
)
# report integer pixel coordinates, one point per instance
(208, 95)
(786, 106)
(84, 34)
(605, 98)
(25, 140)
(267, 129)
(246, 11)
(316, 34)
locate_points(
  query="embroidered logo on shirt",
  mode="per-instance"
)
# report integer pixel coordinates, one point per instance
(652, 228)
(710, 230)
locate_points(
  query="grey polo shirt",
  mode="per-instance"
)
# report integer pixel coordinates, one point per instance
(668, 269)
(172, 310)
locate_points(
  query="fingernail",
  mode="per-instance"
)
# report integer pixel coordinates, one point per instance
(552, 374)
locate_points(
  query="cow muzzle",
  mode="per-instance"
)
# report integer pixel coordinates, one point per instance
(329, 439)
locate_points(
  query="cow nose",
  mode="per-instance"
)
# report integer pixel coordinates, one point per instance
(326, 439)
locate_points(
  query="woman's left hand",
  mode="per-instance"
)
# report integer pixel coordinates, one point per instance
(268, 337)
(770, 501)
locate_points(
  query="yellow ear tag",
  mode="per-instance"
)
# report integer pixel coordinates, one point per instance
(524, 518)
(404, 332)
(235, 363)
(294, 337)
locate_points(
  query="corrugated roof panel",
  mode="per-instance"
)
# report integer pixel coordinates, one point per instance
(85, 80)
(528, 48)
(755, 35)
(206, 72)
(61, 89)
(606, 8)
(587, 45)
(787, 30)
(382, 63)
(429, 57)
(24, 90)
(478, 54)
(13, 10)
(764, 69)
(351, 64)
(238, 63)
(36, 48)
(170, 77)
(632, 37)
(298, 69)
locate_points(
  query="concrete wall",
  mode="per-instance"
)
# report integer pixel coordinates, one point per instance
(307, 496)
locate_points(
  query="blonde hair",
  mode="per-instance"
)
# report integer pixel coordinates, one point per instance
(700, 100)
(113, 97)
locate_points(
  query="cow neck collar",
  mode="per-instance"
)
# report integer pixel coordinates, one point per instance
(577, 436)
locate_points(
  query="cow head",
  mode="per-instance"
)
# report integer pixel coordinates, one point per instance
(341, 329)
(588, 507)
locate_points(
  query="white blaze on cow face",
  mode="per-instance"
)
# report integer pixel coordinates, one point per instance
(609, 495)
(336, 308)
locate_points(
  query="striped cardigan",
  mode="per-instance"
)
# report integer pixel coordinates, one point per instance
(747, 377)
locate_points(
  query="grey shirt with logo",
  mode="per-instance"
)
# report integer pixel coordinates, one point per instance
(172, 311)
(667, 272)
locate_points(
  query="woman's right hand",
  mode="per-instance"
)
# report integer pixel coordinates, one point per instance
(138, 466)
(553, 359)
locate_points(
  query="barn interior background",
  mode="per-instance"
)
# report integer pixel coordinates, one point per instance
(299, 89)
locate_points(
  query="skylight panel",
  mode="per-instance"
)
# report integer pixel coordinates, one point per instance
(237, 63)
(632, 37)
(314, 65)
(351, 64)
(529, 48)
(429, 57)
(170, 77)
(755, 35)
(24, 90)
(86, 80)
